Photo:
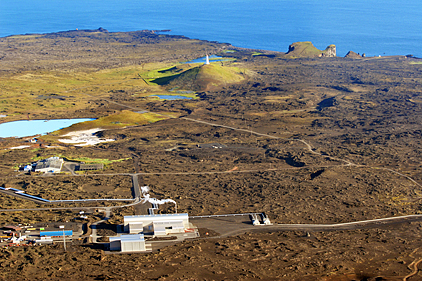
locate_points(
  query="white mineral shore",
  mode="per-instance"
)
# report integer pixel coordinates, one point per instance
(83, 138)
(20, 147)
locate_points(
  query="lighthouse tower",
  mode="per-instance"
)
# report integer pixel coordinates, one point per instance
(207, 60)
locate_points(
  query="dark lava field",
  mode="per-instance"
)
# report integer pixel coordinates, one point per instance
(307, 140)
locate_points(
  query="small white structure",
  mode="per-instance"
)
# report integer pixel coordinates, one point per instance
(151, 210)
(27, 168)
(128, 243)
(44, 240)
(207, 60)
(158, 224)
(255, 220)
(18, 240)
(265, 219)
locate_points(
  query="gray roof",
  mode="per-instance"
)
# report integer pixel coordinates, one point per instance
(53, 163)
(173, 216)
(128, 238)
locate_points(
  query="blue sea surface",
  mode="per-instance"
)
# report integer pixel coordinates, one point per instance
(373, 27)
(26, 128)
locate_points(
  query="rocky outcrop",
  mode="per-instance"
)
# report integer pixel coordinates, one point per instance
(308, 50)
(329, 52)
(352, 55)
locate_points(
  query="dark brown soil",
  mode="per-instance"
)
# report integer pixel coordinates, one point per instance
(204, 232)
(376, 254)
(162, 238)
(365, 111)
(104, 229)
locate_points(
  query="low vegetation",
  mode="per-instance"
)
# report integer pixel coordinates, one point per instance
(93, 160)
(318, 141)
(118, 120)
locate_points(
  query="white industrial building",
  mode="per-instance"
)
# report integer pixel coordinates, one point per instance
(128, 243)
(159, 225)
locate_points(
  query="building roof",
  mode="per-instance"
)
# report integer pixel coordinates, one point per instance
(167, 222)
(179, 216)
(128, 238)
(175, 216)
(15, 228)
(49, 163)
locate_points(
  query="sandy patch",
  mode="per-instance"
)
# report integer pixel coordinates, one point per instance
(20, 147)
(83, 138)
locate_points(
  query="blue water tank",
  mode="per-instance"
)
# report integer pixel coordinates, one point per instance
(56, 233)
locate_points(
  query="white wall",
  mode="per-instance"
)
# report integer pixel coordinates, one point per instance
(148, 220)
(133, 246)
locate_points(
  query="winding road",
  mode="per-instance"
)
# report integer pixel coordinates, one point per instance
(302, 227)
(107, 216)
(231, 227)
(308, 146)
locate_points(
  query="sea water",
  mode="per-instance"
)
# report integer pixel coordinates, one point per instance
(387, 27)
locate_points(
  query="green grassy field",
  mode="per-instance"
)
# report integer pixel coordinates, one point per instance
(58, 93)
(196, 78)
(95, 160)
(119, 120)
(303, 49)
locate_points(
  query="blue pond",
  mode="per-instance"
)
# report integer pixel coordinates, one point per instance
(26, 128)
(211, 58)
(171, 97)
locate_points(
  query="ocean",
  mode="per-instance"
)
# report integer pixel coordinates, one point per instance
(372, 27)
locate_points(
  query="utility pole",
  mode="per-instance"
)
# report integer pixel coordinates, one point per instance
(64, 241)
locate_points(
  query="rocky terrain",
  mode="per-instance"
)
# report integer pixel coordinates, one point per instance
(306, 139)
(374, 254)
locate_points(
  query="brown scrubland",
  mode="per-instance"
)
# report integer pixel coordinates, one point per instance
(316, 140)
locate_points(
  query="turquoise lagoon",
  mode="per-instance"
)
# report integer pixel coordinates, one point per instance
(26, 128)
(212, 58)
(171, 97)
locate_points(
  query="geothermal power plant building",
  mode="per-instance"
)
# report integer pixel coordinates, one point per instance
(128, 243)
(158, 225)
(52, 164)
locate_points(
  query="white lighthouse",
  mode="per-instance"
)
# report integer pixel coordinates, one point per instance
(207, 60)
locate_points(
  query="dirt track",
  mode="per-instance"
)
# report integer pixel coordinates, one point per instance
(313, 118)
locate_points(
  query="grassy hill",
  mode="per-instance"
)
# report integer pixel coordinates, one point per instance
(199, 78)
(305, 50)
